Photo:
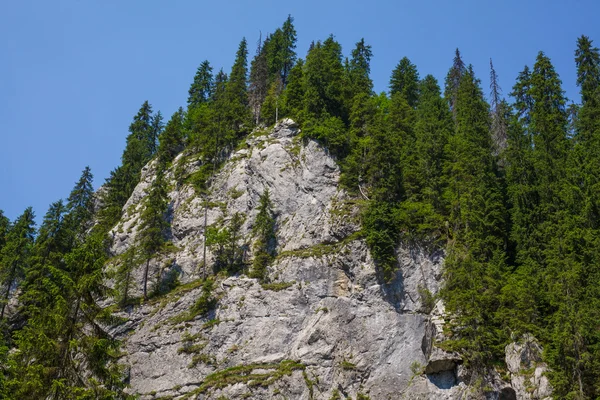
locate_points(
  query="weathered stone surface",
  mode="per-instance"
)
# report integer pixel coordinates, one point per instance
(527, 371)
(344, 329)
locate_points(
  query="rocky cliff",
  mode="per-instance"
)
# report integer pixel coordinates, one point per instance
(325, 327)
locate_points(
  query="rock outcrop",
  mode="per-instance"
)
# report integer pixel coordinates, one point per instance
(527, 371)
(324, 327)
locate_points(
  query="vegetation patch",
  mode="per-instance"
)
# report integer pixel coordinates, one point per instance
(277, 286)
(321, 249)
(253, 375)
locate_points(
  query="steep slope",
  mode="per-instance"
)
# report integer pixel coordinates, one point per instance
(327, 324)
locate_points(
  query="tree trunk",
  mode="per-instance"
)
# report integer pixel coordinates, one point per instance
(146, 279)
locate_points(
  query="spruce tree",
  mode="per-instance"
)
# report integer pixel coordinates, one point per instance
(288, 55)
(172, 138)
(259, 80)
(153, 225)
(475, 264)
(4, 226)
(80, 204)
(236, 96)
(453, 79)
(405, 80)
(264, 231)
(424, 207)
(14, 256)
(587, 60)
(202, 87)
(358, 70)
(293, 95)
(499, 113)
(140, 147)
(325, 111)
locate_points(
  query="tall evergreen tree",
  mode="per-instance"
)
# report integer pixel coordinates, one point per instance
(499, 110)
(80, 204)
(202, 88)
(405, 80)
(172, 140)
(140, 147)
(259, 78)
(153, 224)
(359, 69)
(475, 264)
(424, 183)
(453, 79)
(587, 60)
(325, 111)
(14, 256)
(237, 112)
(4, 226)
(288, 53)
(293, 95)
(264, 231)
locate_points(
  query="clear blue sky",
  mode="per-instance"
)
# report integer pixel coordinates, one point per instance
(73, 73)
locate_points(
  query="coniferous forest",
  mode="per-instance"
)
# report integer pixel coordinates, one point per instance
(508, 187)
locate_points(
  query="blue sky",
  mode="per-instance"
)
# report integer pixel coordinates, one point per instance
(74, 73)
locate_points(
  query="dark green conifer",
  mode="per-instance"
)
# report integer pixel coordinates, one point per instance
(154, 224)
(405, 80)
(14, 256)
(202, 88)
(264, 231)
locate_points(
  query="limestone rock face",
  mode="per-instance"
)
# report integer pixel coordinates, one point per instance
(527, 371)
(326, 326)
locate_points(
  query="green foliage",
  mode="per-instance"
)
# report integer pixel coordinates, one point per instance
(202, 88)
(225, 244)
(265, 242)
(277, 286)
(206, 301)
(14, 256)
(171, 140)
(475, 264)
(382, 236)
(244, 374)
(140, 148)
(510, 192)
(153, 225)
(405, 80)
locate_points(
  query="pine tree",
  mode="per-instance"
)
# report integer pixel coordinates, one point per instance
(475, 263)
(499, 110)
(80, 204)
(153, 224)
(587, 60)
(405, 80)
(423, 175)
(140, 147)
(14, 257)
(293, 95)
(358, 70)
(264, 231)
(4, 226)
(236, 96)
(202, 88)
(289, 44)
(453, 81)
(63, 339)
(325, 112)
(259, 78)
(172, 138)
(155, 131)
(273, 102)
(55, 239)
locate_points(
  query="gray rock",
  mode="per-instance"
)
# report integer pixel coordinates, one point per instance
(342, 328)
(527, 371)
